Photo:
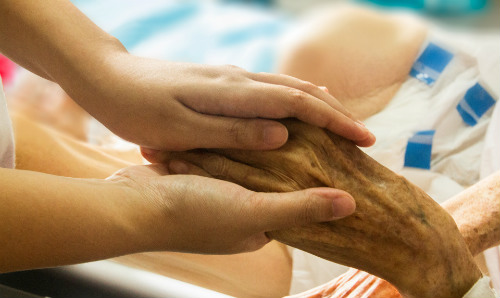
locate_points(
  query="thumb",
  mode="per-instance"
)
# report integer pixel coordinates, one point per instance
(287, 210)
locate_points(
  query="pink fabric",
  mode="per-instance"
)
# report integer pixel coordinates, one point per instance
(7, 70)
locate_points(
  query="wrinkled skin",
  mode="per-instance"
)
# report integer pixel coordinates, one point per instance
(397, 232)
(475, 210)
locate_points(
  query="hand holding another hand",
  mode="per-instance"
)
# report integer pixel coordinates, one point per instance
(180, 106)
(205, 215)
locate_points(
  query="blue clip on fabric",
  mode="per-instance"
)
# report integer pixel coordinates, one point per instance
(430, 64)
(419, 149)
(475, 103)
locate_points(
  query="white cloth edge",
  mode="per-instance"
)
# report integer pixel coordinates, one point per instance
(481, 289)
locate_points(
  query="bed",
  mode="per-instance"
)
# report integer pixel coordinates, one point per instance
(198, 31)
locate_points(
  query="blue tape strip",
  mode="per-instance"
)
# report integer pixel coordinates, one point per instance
(430, 64)
(475, 103)
(419, 149)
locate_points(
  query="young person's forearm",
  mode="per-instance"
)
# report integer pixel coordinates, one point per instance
(54, 39)
(476, 211)
(49, 220)
(42, 149)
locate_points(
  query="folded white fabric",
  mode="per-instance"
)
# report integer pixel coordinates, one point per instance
(481, 289)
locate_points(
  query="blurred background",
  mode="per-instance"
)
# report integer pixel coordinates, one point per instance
(245, 33)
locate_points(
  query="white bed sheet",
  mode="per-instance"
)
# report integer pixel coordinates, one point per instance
(145, 284)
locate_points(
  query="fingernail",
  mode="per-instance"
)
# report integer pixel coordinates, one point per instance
(373, 138)
(365, 129)
(362, 126)
(275, 135)
(324, 89)
(343, 206)
(178, 167)
(361, 123)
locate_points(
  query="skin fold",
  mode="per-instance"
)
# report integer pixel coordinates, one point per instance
(428, 256)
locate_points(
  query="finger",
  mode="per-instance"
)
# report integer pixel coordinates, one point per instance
(286, 80)
(286, 210)
(307, 106)
(185, 168)
(218, 166)
(263, 100)
(304, 106)
(208, 131)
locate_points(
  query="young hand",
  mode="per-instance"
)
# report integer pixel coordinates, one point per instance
(189, 213)
(180, 106)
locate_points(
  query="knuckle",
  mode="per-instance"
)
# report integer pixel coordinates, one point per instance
(224, 75)
(325, 120)
(216, 166)
(237, 132)
(232, 67)
(296, 95)
(298, 101)
(233, 71)
(308, 86)
(308, 212)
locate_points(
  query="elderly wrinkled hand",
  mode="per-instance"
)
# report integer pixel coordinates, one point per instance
(475, 211)
(391, 213)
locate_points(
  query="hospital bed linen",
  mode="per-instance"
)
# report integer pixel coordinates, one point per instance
(460, 153)
(135, 281)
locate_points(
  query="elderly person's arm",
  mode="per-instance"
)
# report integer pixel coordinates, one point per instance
(398, 232)
(476, 211)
